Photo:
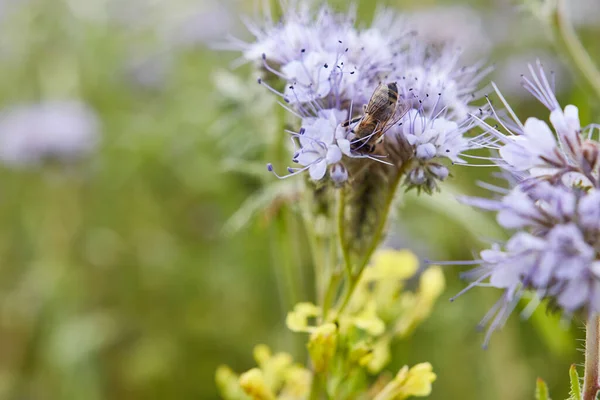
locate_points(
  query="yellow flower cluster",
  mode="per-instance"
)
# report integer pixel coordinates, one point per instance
(380, 310)
(276, 378)
(352, 342)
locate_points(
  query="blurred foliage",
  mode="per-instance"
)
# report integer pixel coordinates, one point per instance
(133, 274)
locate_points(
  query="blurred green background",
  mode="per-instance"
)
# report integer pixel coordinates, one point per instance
(132, 273)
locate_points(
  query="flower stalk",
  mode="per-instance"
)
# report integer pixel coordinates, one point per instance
(568, 40)
(591, 385)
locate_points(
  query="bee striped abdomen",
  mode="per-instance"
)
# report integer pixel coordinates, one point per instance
(392, 92)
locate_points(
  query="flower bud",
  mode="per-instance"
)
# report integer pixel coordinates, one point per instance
(590, 154)
(417, 176)
(338, 173)
(439, 171)
(254, 385)
(322, 346)
(297, 320)
(425, 151)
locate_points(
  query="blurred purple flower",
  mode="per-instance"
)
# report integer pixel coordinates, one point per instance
(553, 252)
(62, 130)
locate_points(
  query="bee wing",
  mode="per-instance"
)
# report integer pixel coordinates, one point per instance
(379, 99)
(401, 109)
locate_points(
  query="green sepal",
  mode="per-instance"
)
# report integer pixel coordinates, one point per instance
(541, 390)
(575, 393)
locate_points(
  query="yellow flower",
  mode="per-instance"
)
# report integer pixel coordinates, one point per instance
(392, 264)
(253, 383)
(383, 281)
(419, 380)
(262, 354)
(228, 384)
(380, 355)
(276, 375)
(368, 320)
(432, 283)
(416, 307)
(414, 382)
(297, 320)
(273, 366)
(297, 384)
(322, 346)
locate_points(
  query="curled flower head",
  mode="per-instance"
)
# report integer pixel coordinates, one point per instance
(553, 209)
(534, 149)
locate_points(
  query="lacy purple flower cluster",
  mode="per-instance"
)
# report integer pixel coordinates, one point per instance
(324, 69)
(553, 207)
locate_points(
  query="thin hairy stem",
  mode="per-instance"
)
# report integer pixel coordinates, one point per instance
(342, 234)
(591, 386)
(568, 40)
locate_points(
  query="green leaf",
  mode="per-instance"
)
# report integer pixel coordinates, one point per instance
(575, 393)
(259, 201)
(541, 390)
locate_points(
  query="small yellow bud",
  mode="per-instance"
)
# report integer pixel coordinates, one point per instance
(432, 283)
(297, 384)
(275, 369)
(253, 383)
(361, 353)
(380, 355)
(322, 346)
(262, 354)
(297, 320)
(228, 384)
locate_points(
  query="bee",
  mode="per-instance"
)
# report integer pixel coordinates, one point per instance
(379, 116)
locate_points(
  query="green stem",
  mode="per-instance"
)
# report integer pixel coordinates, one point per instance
(334, 281)
(316, 388)
(342, 234)
(592, 358)
(568, 40)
